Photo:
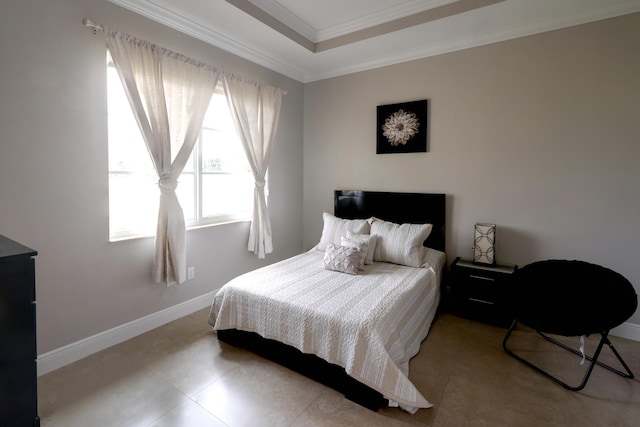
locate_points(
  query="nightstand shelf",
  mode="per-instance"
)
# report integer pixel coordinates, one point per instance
(476, 290)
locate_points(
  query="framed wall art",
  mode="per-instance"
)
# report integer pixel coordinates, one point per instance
(402, 128)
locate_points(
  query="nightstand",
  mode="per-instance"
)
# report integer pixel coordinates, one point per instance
(476, 290)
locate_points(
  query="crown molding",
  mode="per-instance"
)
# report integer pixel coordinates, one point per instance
(380, 17)
(288, 18)
(609, 11)
(167, 17)
(284, 15)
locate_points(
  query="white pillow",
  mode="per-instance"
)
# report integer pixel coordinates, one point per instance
(360, 245)
(399, 243)
(342, 258)
(335, 227)
(370, 240)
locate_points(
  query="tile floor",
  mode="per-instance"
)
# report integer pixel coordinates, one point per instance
(180, 375)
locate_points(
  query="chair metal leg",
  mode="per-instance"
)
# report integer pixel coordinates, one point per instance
(593, 360)
(604, 340)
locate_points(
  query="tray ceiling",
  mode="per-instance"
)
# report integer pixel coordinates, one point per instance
(310, 40)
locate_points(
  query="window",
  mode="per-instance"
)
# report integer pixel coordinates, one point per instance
(216, 185)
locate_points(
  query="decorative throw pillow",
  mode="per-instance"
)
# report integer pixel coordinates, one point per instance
(335, 227)
(362, 246)
(370, 240)
(342, 258)
(399, 243)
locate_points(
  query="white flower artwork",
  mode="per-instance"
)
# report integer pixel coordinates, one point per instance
(402, 128)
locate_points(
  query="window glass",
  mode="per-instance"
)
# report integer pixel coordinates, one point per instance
(215, 186)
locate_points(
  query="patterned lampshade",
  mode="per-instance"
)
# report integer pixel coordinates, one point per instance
(484, 245)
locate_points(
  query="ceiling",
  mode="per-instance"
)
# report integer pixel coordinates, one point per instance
(310, 40)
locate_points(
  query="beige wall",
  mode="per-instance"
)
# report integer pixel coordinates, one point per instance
(540, 135)
(53, 172)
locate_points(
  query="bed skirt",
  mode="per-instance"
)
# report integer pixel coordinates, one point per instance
(305, 364)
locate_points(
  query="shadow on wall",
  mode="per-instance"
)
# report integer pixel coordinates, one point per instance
(513, 246)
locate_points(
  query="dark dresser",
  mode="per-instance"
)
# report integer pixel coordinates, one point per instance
(18, 373)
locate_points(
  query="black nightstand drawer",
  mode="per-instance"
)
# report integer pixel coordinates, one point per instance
(476, 290)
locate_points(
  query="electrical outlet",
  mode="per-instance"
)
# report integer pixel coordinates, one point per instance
(191, 273)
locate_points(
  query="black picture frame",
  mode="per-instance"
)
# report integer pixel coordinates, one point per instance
(403, 127)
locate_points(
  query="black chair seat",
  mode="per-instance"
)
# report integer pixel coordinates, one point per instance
(570, 298)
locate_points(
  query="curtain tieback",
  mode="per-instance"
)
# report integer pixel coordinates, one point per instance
(167, 183)
(260, 183)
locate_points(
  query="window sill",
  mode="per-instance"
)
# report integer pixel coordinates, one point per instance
(213, 224)
(189, 228)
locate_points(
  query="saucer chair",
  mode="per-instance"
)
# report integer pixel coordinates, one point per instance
(570, 298)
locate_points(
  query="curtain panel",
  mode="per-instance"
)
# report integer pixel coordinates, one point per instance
(255, 110)
(169, 95)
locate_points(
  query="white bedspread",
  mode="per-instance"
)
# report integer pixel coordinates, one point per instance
(370, 324)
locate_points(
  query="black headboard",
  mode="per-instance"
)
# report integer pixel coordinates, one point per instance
(414, 208)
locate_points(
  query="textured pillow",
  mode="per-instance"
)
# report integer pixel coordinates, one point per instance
(370, 240)
(362, 246)
(342, 258)
(399, 243)
(335, 227)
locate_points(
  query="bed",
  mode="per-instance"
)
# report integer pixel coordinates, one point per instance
(352, 311)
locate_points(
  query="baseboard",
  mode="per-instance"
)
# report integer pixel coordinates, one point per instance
(62, 356)
(627, 330)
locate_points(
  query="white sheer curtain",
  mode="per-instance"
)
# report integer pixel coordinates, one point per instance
(169, 95)
(255, 110)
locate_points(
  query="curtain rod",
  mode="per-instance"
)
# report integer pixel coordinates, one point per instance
(90, 24)
(99, 27)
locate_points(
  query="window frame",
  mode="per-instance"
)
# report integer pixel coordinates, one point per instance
(196, 169)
